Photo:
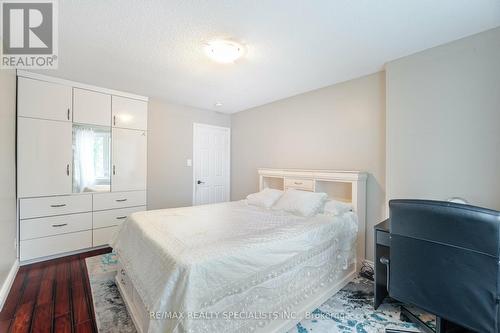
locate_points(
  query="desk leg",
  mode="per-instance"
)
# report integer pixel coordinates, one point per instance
(380, 275)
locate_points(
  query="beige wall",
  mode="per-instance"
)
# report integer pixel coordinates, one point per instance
(339, 127)
(170, 144)
(8, 227)
(443, 122)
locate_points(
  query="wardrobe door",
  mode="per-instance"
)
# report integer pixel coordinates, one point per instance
(90, 107)
(44, 157)
(43, 100)
(130, 113)
(129, 160)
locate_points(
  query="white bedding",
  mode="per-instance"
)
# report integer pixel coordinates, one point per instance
(230, 257)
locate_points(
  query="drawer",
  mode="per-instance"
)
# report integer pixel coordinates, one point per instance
(134, 299)
(142, 315)
(109, 218)
(124, 279)
(55, 225)
(383, 238)
(113, 200)
(104, 235)
(299, 184)
(58, 205)
(47, 246)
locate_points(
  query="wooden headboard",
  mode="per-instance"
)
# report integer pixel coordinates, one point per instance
(347, 186)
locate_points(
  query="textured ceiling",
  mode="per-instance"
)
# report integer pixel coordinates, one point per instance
(154, 47)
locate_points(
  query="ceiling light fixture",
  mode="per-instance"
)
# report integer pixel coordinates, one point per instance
(218, 104)
(224, 51)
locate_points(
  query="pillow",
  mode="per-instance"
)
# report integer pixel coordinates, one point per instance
(265, 198)
(301, 203)
(334, 207)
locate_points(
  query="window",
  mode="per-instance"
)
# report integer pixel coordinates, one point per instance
(91, 158)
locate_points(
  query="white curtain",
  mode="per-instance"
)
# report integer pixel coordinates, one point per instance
(85, 159)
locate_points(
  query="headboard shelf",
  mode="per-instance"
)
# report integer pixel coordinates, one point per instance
(339, 175)
(346, 186)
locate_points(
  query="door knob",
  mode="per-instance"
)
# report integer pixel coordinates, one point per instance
(200, 182)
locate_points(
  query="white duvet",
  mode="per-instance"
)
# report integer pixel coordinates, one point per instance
(229, 257)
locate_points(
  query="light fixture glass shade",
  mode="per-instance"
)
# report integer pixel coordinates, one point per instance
(224, 51)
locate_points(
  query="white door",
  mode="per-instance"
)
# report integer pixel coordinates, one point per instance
(44, 157)
(44, 100)
(90, 107)
(211, 159)
(129, 151)
(130, 113)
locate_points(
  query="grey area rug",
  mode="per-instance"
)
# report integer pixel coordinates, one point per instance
(110, 311)
(348, 311)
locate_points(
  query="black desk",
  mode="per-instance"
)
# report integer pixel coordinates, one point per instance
(382, 249)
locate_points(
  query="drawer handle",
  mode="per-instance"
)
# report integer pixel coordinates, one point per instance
(57, 206)
(121, 217)
(297, 183)
(121, 200)
(59, 225)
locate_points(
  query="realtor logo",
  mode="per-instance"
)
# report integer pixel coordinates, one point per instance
(29, 34)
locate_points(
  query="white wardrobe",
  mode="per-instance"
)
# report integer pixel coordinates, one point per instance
(81, 164)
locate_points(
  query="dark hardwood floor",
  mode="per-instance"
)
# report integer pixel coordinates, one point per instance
(51, 296)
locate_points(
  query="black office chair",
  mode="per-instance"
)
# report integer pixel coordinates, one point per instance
(445, 260)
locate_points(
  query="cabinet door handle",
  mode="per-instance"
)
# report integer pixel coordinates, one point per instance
(114, 120)
(69, 111)
(121, 217)
(57, 206)
(297, 183)
(121, 200)
(59, 225)
(114, 170)
(67, 169)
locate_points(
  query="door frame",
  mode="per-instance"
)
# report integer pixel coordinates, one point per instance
(196, 126)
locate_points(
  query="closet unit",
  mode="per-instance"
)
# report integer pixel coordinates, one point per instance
(81, 164)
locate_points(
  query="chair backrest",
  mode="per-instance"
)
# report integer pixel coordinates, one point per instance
(445, 259)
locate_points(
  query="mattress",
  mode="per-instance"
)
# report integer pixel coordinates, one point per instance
(230, 267)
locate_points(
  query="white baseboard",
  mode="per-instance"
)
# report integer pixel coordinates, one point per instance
(369, 263)
(7, 284)
(60, 255)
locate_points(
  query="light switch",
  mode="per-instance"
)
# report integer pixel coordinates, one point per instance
(189, 162)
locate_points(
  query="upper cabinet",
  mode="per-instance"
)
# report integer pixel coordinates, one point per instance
(77, 138)
(129, 160)
(44, 100)
(130, 113)
(90, 107)
(44, 157)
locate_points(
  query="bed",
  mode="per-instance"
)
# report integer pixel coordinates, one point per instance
(233, 267)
